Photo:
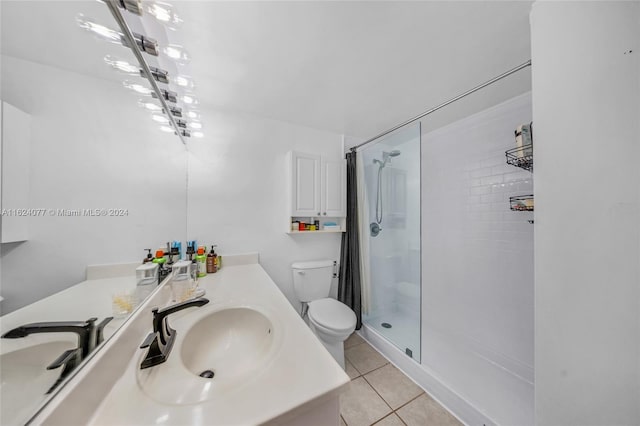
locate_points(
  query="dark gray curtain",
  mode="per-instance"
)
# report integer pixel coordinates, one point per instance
(349, 283)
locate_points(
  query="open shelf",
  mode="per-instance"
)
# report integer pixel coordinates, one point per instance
(321, 231)
(521, 203)
(521, 156)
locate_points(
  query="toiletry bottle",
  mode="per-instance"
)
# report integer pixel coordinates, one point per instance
(176, 247)
(149, 257)
(201, 260)
(191, 249)
(218, 262)
(212, 268)
(159, 259)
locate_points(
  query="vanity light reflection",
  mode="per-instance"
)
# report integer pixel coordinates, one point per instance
(144, 43)
(121, 65)
(138, 88)
(178, 53)
(149, 106)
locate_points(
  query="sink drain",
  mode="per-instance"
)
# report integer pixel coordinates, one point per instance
(386, 325)
(207, 374)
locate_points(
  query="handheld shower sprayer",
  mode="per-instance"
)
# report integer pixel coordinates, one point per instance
(386, 158)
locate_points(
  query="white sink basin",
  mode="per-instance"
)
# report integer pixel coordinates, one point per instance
(214, 354)
(25, 379)
(231, 343)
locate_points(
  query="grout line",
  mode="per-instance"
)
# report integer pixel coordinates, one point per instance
(342, 418)
(378, 421)
(401, 419)
(377, 393)
(375, 369)
(410, 401)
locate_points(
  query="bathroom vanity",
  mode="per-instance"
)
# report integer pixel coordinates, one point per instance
(268, 367)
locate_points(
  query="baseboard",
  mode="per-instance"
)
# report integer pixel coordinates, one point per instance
(462, 409)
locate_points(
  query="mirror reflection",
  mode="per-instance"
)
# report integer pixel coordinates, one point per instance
(89, 182)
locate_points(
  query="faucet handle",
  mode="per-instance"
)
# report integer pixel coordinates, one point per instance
(100, 330)
(63, 359)
(70, 360)
(148, 340)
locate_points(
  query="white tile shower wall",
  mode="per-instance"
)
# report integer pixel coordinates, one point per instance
(477, 260)
(238, 191)
(86, 153)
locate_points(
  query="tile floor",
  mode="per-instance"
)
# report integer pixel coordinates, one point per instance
(381, 394)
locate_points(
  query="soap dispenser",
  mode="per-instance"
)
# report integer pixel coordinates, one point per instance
(149, 257)
(212, 266)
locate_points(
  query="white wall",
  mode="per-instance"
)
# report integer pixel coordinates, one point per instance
(477, 263)
(586, 109)
(91, 147)
(238, 196)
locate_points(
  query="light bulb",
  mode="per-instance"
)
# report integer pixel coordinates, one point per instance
(123, 66)
(184, 81)
(138, 88)
(189, 100)
(149, 106)
(197, 134)
(177, 53)
(167, 129)
(164, 13)
(195, 125)
(194, 115)
(101, 31)
(159, 118)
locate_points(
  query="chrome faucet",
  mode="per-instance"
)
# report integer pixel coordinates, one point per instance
(160, 341)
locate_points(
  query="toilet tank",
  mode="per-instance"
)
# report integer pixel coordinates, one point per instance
(312, 279)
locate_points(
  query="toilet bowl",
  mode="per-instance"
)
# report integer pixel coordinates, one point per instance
(330, 320)
(333, 322)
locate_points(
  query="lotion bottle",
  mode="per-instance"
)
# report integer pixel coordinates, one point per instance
(201, 260)
(212, 266)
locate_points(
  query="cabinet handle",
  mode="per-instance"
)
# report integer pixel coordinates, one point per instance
(318, 213)
(325, 213)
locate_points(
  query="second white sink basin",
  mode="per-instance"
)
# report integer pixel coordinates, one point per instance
(25, 379)
(214, 354)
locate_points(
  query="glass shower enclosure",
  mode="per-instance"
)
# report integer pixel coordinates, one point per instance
(389, 210)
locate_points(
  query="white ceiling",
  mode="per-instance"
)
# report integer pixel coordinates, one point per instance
(349, 67)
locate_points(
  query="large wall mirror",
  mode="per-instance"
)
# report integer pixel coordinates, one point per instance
(88, 178)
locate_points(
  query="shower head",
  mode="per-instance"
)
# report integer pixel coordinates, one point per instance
(386, 157)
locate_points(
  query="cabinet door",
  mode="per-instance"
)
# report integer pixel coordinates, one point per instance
(16, 139)
(334, 188)
(306, 184)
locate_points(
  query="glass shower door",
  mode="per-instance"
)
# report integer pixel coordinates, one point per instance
(389, 191)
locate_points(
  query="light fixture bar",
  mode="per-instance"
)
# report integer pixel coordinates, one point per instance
(160, 75)
(128, 36)
(167, 95)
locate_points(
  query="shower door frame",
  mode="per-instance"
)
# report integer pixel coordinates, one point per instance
(364, 227)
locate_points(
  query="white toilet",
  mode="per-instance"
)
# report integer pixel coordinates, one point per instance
(330, 320)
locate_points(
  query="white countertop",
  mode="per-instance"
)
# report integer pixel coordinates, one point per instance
(23, 368)
(301, 371)
(90, 298)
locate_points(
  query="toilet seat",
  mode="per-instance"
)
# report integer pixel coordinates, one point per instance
(332, 316)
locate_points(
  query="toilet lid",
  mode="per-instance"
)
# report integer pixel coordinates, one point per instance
(332, 314)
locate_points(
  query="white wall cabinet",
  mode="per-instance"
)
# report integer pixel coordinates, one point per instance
(318, 189)
(14, 172)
